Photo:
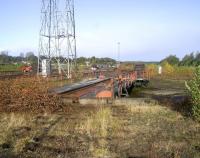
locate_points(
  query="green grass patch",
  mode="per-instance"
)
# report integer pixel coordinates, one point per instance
(10, 67)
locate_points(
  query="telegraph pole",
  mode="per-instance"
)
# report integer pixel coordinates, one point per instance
(118, 53)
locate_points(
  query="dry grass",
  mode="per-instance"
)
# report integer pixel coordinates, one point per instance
(153, 109)
(170, 134)
(12, 127)
(100, 126)
(100, 123)
(149, 131)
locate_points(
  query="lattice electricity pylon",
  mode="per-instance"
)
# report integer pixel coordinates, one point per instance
(57, 46)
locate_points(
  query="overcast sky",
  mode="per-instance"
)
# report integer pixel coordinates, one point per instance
(147, 29)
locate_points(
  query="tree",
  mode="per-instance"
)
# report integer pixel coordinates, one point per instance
(4, 59)
(81, 60)
(22, 55)
(28, 54)
(167, 68)
(93, 60)
(197, 59)
(33, 59)
(4, 53)
(172, 60)
(188, 60)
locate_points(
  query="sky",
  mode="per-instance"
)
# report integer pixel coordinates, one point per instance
(148, 30)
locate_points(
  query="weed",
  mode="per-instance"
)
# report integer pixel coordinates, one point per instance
(194, 89)
(171, 71)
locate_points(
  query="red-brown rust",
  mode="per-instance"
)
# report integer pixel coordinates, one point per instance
(104, 94)
(86, 90)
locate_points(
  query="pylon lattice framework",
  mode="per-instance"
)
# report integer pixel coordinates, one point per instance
(57, 37)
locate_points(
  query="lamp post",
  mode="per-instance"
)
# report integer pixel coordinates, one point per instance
(118, 54)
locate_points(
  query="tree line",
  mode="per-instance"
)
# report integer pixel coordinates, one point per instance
(192, 59)
(5, 58)
(29, 57)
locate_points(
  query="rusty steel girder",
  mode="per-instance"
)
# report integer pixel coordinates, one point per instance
(104, 87)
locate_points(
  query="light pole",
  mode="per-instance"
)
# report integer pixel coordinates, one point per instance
(118, 54)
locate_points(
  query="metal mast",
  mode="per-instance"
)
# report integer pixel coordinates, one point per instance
(118, 54)
(57, 46)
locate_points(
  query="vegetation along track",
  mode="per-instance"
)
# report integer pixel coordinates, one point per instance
(140, 130)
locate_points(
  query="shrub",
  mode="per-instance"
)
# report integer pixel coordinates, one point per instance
(153, 69)
(193, 87)
(176, 72)
(167, 68)
(184, 72)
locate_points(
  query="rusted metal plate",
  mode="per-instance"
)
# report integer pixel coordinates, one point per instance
(101, 88)
(79, 89)
(105, 94)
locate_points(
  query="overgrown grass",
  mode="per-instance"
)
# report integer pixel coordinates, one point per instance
(172, 72)
(100, 126)
(13, 127)
(147, 130)
(163, 131)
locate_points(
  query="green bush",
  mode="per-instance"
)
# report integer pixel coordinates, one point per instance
(193, 87)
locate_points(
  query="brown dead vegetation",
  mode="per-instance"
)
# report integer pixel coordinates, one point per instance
(27, 94)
